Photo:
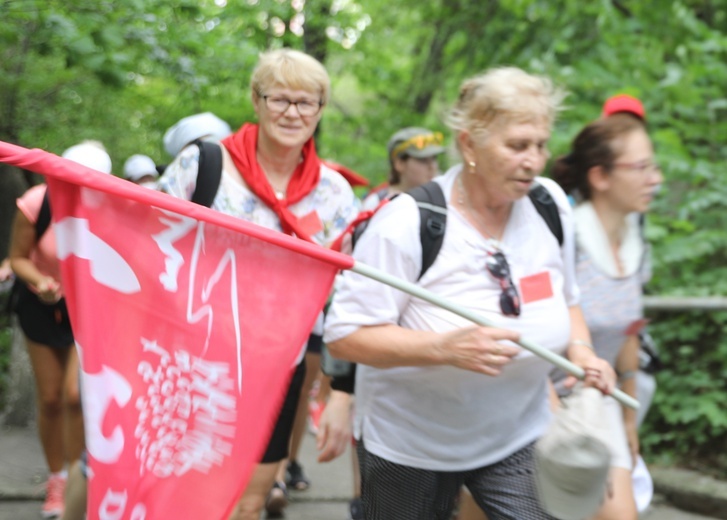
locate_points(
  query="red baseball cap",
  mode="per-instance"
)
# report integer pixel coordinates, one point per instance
(624, 103)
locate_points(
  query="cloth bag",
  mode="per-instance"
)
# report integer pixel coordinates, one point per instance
(573, 459)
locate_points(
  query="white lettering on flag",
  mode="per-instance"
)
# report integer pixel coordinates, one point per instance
(73, 237)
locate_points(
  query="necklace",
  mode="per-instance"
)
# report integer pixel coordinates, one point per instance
(464, 203)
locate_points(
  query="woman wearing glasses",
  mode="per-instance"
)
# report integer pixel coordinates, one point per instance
(441, 403)
(272, 176)
(610, 172)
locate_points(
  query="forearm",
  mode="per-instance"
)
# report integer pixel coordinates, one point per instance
(580, 347)
(26, 270)
(387, 346)
(627, 365)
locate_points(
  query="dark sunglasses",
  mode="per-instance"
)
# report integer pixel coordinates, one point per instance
(498, 267)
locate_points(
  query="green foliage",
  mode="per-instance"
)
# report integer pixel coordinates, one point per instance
(687, 422)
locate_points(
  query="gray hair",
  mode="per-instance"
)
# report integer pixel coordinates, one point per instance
(504, 95)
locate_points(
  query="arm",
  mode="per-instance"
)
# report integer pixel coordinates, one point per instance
(599, 373)
(386, 346)
(22, 243)
(5, 270)
(627, 365)
(334, 430)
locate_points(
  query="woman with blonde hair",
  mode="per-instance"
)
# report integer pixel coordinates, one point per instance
(272, 176)
(441, 403)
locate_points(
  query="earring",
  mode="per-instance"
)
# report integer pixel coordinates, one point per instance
(472, 165)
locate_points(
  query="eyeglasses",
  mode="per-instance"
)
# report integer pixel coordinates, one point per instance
(419, 142)
(642, 167)
(280, 105)
(498, 267)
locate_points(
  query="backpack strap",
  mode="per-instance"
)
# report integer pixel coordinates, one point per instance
(209, 173)
(433, 214)
(43, 221)
(547, 208)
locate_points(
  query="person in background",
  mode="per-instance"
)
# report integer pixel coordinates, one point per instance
(203, 126)
(140, 169)
(413, 154)
(612, 174)
(649, 362)
(43, 318)
(441, 403)
(273, 177)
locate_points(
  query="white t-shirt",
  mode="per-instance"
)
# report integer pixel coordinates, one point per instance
(440, 417)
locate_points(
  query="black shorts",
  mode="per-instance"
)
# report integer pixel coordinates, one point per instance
(44, 323)
(278, 446)
(315, 344)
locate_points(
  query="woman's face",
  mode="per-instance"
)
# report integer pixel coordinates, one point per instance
(632, 182)
(509, 158)
(287, 128)
(415, 171)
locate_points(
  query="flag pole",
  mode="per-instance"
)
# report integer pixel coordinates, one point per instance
(429, 296)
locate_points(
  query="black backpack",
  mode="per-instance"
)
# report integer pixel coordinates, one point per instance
(433, 215)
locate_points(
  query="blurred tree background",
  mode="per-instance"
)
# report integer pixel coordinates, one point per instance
(123, 72)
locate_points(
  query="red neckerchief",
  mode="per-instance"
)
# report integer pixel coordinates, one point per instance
(242, 146)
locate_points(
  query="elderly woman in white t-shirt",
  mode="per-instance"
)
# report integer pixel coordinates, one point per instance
(441, 403)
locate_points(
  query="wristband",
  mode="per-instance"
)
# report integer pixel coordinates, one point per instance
(582, 343)
(626, 375)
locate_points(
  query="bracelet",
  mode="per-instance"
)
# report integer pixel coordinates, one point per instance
(581, 342)
(626, 375)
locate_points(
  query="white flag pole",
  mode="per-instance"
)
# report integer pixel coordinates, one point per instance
(417, 291)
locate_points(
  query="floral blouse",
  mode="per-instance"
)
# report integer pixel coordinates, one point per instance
(332, 199)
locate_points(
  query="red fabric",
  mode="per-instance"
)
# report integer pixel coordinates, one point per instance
(624, 103)
(353, 178)
(343, 242)
(179, 323)
(242, 146)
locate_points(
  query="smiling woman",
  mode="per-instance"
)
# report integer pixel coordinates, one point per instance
(273, 177)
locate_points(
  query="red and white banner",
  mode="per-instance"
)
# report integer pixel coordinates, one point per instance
(188, 323)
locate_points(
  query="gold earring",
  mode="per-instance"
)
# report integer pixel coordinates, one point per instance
(472, 165)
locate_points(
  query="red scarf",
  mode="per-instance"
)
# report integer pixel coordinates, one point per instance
(242, 146)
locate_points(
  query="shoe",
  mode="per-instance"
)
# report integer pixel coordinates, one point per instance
(315, 411)
(277, 500)
(53, 505)
(295, 478)
(355, 509)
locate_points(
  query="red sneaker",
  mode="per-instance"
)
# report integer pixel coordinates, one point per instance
(315, 410)
(53, 505)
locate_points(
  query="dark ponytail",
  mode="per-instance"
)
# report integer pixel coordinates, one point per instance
(595, 145)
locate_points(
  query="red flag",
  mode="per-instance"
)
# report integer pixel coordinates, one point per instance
(188, 323)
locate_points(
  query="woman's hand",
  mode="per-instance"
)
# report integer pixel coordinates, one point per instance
(5, 270)
(334, 428)
(48, 290)
(598, 373)
(479, 349)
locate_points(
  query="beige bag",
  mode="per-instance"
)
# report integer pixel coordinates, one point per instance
(573, 459)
